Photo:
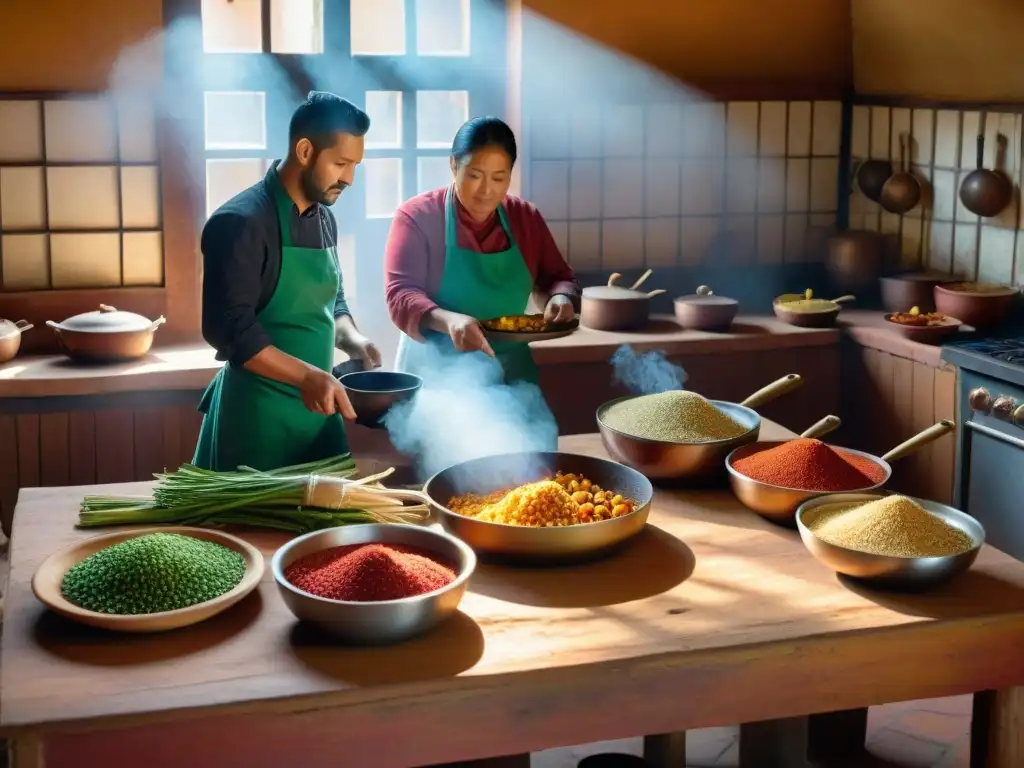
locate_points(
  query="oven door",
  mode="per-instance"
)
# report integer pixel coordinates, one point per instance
(993, 477)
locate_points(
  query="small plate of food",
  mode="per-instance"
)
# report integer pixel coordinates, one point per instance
(925, 327)
(526, 328)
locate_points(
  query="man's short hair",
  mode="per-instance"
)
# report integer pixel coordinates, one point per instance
(322, 116)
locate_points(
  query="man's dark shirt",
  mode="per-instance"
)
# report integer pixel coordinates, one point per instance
(241, 246)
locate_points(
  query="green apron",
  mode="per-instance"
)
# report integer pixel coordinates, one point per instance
(261, 423)
(481, 285)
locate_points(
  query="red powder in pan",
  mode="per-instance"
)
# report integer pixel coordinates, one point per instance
(369, 573)
(811, 465)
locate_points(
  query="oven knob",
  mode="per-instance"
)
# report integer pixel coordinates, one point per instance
(980, 400)
(1018, 417)
(1003, 407)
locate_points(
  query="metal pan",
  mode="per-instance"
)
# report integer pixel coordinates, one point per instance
(882, 570)
(823, 318)
(779, 504)
(497, 541)
(660, 460)
(551, 331)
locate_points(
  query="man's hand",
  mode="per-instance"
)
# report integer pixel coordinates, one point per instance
(322, 393)
(467, 335)
(358, 347)
(559, 309)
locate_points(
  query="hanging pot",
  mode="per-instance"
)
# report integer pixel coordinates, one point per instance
(614, 308)
(986, 193)
(10, 338)
(871, 176)
(903, 190)
(704, 311)
(106, 335)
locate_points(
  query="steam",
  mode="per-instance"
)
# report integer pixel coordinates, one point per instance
(647, 373)
(465, 411)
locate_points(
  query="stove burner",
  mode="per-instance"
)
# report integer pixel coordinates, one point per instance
(1007, 350)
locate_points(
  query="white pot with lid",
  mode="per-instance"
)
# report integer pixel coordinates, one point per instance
(10, 338)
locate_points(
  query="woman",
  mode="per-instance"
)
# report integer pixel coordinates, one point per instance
(471, 251)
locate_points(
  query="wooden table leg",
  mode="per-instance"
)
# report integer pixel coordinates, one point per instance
(837, 735)
(26, 751)
(666, 750)
(509, 761)
(774, 743)
(997, 729)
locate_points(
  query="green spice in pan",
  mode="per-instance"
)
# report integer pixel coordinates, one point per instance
(152, 573)
(676, 416)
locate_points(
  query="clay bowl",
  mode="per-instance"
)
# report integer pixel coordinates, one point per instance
(926, 334)
(823, 318)
(48, 577)
(982, 308)
(916, 289)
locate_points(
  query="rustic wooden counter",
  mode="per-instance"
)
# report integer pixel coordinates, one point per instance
(711, 617)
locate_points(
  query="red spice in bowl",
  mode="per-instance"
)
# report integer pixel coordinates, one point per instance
(370, 573)
(811, 465)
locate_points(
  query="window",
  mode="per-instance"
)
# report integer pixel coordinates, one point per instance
(419, 68)
(79, 194)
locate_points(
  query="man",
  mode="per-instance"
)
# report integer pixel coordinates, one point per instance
(274, 303)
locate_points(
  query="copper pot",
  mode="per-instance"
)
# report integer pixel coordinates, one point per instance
(614, 308)
(917, 289)
(10, 338)
(106, 335)
(871, 176)
(902, 191)
(704, 311)
(983, 192)
(855, 259)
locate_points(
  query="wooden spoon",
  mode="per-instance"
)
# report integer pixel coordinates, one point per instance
(774, 390)
(822, 427)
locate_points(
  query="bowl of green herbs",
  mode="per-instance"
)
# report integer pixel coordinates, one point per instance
(149, 580)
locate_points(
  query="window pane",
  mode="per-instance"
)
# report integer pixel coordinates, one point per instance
(26, 262)
(442, 27)
(85, 260)
(21, 131)
(235, 119)
(140, 197)
(383, 186)
(439, 114)
(378, 27)
(438, 117)
(296, 26)
(232, 26)
(226, 178)
(432, 173)
(82, 198)
(143, 258)
(385, 111)
(136, 130)
(80, 131)
(22, 201)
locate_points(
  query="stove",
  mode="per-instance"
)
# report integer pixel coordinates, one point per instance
(989, 481)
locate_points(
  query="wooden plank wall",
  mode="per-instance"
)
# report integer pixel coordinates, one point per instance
(887, 399)
(79, 445)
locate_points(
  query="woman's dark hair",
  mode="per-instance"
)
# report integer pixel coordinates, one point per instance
(482, 132)
(322, 116)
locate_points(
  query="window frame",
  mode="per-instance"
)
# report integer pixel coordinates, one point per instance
(38, 306)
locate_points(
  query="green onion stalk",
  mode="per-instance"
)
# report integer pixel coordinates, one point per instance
(298, 499)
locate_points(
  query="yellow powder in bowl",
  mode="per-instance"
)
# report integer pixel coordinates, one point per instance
(677, 416)
(894, 526)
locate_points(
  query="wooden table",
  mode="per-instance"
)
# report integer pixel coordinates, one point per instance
(711, 617)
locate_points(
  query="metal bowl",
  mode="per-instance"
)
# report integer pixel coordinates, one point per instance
(775, 502)
(377, 623)
(906, 572)
(372, 393)
(569, 543)
(660, 460)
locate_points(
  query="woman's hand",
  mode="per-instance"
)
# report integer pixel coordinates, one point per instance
(559, 309)
(467, 334)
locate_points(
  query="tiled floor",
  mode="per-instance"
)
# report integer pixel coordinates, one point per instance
(913, 734)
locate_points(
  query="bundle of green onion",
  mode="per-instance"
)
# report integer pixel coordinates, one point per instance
(301, 498)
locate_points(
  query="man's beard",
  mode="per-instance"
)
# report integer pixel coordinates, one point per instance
(314, 193)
